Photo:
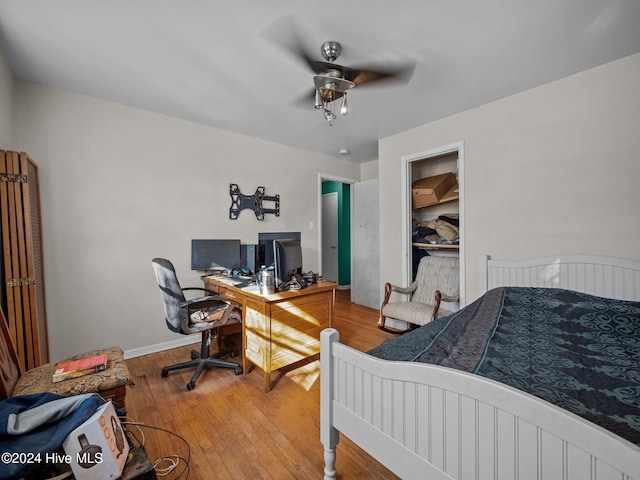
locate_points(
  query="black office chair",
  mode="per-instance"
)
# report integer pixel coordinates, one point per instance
(198, 315)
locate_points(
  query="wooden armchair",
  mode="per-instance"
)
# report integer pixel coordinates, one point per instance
(437, 280)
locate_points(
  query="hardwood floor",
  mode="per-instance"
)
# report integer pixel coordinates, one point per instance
(233, 429)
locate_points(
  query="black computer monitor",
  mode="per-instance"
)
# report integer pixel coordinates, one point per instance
(287, 254)
(215, 254)
(266, 240)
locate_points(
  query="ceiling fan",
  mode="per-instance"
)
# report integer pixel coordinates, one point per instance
(332, 81)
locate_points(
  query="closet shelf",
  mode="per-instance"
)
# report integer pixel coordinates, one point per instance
(435, 246)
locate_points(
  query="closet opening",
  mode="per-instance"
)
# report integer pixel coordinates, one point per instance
(433, 208)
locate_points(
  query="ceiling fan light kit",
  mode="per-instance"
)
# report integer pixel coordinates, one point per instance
(331, 84)
(326, 101)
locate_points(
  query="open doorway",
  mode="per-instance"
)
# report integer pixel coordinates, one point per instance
(334, 232)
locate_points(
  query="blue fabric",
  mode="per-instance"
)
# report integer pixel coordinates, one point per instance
(577, 351)
(44, 431)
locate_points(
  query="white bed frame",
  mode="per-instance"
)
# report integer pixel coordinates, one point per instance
(603, 276)
(429, 422)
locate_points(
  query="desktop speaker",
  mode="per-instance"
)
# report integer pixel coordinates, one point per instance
(251, 256)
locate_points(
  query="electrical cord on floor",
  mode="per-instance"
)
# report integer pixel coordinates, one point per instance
(171, 462)
(130, 434)
(163, 466)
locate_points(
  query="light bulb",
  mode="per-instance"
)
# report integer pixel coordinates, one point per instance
(344, 109)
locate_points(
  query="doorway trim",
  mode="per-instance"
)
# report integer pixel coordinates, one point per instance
(407, 211)
(324, 177)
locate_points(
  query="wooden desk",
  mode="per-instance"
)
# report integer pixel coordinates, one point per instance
(278, 329)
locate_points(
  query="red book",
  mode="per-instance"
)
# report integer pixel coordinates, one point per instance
(78, 368)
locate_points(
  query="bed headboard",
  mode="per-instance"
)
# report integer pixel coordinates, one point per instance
(603, 276)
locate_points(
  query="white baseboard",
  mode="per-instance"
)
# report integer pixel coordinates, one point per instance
(160, 347)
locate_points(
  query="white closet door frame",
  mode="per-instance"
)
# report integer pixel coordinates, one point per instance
(406, 209)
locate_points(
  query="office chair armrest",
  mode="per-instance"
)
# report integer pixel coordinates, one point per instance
(201, 302)
(208, 292)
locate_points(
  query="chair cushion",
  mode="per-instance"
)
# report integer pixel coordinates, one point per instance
(214, 314)
(198, 325)
(40, 379)
(412, 312)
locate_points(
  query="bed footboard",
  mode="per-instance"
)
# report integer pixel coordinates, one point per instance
(424, 421)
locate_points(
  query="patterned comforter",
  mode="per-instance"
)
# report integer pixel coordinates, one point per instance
(577, 351)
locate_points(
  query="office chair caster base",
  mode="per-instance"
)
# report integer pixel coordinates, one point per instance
(191, 386)
(238, 371)
(164, 373)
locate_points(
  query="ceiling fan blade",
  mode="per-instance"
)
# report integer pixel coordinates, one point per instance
(284, 34)
(299, 50)
(363, 76)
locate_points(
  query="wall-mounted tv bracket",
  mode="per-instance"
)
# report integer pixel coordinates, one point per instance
(254, 202)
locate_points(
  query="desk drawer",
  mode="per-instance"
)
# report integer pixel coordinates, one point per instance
(230, 294)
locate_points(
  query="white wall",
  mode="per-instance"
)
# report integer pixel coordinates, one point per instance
(6, 104)
(120, 186)
(548, 171)
(369, 170)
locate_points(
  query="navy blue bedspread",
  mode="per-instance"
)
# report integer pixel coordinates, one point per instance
(577, 351)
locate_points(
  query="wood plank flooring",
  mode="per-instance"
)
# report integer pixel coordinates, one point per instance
(233, 429)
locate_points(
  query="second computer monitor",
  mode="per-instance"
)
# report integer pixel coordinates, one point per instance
(266, 239)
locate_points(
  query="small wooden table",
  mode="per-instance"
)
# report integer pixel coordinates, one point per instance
(280, 329)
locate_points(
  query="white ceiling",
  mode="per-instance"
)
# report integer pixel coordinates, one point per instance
(223, 64)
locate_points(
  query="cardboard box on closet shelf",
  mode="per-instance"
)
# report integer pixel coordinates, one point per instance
(98, 449)
(431, 190)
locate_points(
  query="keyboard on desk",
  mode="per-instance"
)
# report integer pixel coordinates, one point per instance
(243, 281)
